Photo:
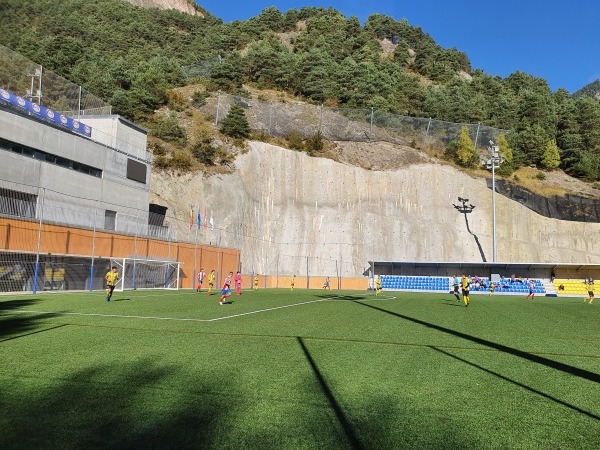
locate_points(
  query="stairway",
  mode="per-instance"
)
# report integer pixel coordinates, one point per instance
(549, 288)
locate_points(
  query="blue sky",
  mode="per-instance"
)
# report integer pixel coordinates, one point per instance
(555, 40)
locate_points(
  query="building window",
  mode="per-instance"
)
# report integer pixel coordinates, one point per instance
(49, 158)
(136, 171)
(110, 220)
(19, 204)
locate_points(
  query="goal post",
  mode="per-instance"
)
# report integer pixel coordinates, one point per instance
(135, 273)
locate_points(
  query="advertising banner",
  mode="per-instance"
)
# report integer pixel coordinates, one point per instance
(44, 113)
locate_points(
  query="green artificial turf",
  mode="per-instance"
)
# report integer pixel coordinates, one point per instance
(276, 369)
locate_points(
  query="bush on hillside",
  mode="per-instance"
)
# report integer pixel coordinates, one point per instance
(315, 144)
(205, 153)
(168, 129)
(199, 98)
(295, 141)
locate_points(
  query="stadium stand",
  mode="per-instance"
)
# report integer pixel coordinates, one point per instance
(416, 283)
(572, 286)
(444, 284)
(518, 287)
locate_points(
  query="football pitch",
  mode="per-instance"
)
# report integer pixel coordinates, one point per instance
(276, 369)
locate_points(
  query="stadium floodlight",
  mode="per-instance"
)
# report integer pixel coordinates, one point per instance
(493, 163)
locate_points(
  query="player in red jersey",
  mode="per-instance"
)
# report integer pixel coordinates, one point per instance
(238, 283)
(226, 290)
(201, 276)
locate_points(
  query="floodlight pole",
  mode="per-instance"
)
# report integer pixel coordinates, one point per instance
(495, 158)
(493, 208)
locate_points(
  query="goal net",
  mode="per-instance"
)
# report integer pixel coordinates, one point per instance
(146, 274)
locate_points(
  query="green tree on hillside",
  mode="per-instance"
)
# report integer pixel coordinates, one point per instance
(588, 166)
(504, 148)
(270, 19)
(235, 123)
(227, 74)
(589, 120)
(551, 155)
(313, 75)
(568, 136)
(465, 150)
(269, 63)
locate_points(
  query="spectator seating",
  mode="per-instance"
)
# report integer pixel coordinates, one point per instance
(444, 284)
(573, 286)
(393, 282)
(519, 287)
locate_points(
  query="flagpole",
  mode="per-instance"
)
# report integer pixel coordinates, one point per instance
(195, 250)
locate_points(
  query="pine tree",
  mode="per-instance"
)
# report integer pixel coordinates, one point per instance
(465, 150)
(505, 149)
(235, 123)
(551, 155)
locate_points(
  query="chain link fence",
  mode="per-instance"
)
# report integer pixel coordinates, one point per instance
(29, 80)
(22, 76)
(348, 124)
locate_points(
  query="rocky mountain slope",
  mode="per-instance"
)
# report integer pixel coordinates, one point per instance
(180, 5)
(290, 213)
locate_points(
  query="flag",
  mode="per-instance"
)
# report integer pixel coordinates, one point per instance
(198, 219)
(205, 218)
(191, 216)
(212, 223)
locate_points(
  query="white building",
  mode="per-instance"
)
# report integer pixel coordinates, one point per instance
(51, 173)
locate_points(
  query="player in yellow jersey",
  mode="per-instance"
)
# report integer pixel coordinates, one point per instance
(590, 288)
(211, 281)
(492, 288)
(111, 278)
(255, 282)
(377, 285)
(466, 285)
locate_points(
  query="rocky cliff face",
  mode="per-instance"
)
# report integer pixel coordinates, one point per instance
(180, 5)
(565, 207)
(291, 213)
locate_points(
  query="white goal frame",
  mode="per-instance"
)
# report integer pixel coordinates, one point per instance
(137, 273)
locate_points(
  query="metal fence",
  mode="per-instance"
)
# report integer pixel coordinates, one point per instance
(348, 124)
(30, 80)
(340, 124)
(22, 76)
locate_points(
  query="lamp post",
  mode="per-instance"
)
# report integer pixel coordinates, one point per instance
(493, 163)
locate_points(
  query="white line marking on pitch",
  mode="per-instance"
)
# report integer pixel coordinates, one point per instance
(181, 319)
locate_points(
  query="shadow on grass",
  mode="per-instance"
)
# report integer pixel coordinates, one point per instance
(110, 407)
(353, 440)
(524, 386)
(152, 405)
(342, 297)
(379, 421)
(453, 303)
(14, 324)
(566, 368)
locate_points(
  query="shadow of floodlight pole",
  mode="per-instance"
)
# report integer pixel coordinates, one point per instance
(465, 209)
